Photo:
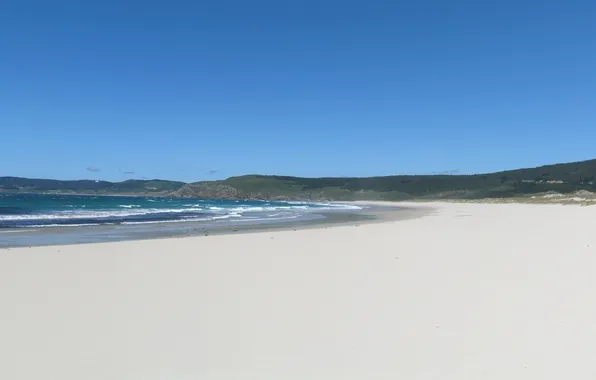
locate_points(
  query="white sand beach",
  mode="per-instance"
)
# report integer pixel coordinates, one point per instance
(470, 291)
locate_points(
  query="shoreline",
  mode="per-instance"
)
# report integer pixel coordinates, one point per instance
(373, 212)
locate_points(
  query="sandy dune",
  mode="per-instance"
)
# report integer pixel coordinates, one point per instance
(471, 291)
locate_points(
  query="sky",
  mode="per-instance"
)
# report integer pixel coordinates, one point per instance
(198, 90)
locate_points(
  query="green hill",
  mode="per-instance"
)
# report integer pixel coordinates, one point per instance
(561, 178)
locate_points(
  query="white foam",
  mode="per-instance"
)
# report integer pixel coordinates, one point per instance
(260, 219)
(338, 206)
(325, 205)
(95, 214)
(68, 225)
(168, 221)
(136, 210)
(186, 220)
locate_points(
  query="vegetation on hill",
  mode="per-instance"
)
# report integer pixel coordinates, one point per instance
(559, 178)
(137, 187)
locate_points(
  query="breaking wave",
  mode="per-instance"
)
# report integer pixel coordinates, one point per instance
(53, 211)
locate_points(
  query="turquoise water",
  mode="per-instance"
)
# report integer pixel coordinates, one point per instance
(47, 210)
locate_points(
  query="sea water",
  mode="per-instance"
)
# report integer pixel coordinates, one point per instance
(18, 211)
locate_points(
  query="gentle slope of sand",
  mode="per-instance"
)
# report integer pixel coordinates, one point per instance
(470, 291)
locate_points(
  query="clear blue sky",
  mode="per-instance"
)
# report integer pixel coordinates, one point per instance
(195, 90)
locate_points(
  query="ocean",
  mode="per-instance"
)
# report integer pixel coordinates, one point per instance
(51, 210)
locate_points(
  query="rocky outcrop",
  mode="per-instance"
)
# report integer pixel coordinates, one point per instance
(221, 190)
(211, 190)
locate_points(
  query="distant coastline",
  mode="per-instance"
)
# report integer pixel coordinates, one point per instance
(85, 194)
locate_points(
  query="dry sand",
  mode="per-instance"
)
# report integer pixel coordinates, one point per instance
(470, 291)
